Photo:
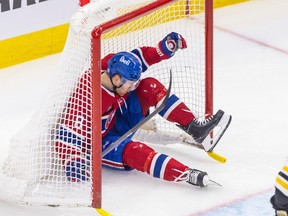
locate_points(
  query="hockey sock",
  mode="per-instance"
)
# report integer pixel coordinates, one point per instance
(151, 92)
(143, 158)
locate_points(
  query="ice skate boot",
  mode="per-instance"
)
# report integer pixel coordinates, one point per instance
(281, 213)
(280, 206)
(200, 129)
(197, 178)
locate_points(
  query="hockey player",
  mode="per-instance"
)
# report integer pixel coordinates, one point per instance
(125, 101)
(280, 199)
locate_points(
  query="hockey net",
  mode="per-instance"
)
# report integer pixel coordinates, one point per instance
(33, 168)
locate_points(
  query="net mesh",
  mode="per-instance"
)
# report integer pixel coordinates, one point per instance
(34, 159)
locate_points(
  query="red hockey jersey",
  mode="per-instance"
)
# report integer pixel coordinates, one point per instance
(75, 131)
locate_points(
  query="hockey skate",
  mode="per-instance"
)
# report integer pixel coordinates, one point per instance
(281, 213)
(197, 178)
(200, 129)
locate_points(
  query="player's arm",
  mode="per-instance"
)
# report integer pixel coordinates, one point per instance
(76, 164)
(165, 49)
(280, 199)
(71, 142)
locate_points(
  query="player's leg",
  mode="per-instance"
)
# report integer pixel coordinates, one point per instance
(150, 92)
(280, 203)
(280, 199)
(136, 155)
(139, 156)
(143, 158)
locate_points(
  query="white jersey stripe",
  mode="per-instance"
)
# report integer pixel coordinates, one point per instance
(163, 168)
(152, 166)
(167, 113)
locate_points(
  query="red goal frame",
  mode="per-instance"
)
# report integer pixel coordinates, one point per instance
(96, 80)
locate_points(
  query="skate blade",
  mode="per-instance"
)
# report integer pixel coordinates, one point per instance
(212, 182)
(208, 181)
(210, 143)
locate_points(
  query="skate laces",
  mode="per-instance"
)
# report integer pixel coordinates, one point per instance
(182, 177)
(195, 177)
(203, 120)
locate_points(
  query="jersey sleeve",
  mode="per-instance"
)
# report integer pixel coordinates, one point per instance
(148, 56)
(73, 136)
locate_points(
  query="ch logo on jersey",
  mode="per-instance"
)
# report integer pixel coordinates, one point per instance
(106, 120)
(120, 101)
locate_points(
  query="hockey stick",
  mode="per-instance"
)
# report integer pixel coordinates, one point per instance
(212, 154)
(139, 124)
(150, 135)
(102, 212)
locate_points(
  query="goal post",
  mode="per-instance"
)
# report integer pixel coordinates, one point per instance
(209, 56)
(68, 125)
(96, 78)
(133, 15)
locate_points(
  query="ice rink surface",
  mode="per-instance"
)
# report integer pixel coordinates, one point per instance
(250, 66)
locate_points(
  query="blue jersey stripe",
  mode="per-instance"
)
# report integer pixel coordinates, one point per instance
(171, 100)
(158, 165)
(69, 137)
(144, 67)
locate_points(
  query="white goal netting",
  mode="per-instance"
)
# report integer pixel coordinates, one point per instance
(34, 167)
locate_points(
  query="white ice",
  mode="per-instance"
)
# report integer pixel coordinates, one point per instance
(251, 64)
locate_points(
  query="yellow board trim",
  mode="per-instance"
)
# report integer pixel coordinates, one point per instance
(154, 17)
(52, 40)
(223, 3)
(33, 45)
(169, 11)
